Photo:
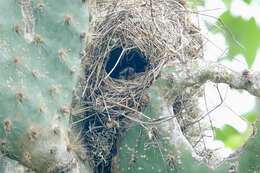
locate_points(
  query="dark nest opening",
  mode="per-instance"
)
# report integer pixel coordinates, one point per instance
(127, 48)
(126, 65)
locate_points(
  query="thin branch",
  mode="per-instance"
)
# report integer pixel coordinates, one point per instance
(200, 73)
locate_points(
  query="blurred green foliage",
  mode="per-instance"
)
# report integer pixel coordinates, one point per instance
(251, 116)
(231, 137)
(248, 1)
(242, 36)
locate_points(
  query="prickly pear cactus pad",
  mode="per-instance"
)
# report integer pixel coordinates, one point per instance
(249, 158)
(40, 45)
(162, 147)
(11, 166)
(145, 155)
(158, 147)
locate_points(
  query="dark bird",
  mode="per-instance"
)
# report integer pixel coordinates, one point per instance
(127, 73)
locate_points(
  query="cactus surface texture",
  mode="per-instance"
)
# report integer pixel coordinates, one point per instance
(40, 45)
(152, 148)
(249, 158)
(145, 156)
(11, 166)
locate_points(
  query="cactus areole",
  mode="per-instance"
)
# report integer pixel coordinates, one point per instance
(40, 44)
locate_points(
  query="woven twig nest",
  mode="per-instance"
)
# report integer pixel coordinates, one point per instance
(128, 44)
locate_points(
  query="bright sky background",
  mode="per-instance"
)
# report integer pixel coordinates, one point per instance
(236, 102)
(239, 102)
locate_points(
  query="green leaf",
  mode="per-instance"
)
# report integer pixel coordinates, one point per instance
(227, 2)
(231, 137)
(242, 36)
(248, 1)
(225, 133)
(251, 117)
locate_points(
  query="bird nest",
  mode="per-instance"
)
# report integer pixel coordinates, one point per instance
(128, 44)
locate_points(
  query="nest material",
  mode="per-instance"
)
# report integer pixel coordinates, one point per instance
(162, 32)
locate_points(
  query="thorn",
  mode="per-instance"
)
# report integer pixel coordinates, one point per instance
(27, 157)
(40, 6)
(53, 151)
(65, 110)
(7, 125)
(68, 19)
(18, 29)
(56, 130)
(42, 109)
(17, 60)
(35, 74)
(33, 134)
(20, 97)
(38, 39)
(69, 148)
(62, 53)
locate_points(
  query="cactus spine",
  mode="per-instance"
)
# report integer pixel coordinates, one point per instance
(40, 43)
(152, 148)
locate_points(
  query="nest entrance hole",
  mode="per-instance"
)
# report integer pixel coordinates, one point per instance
(126, 64)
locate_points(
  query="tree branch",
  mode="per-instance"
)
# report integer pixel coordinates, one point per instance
(202, 72)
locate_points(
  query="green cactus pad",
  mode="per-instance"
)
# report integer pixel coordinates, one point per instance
(11, 166)
(148, 149)
(249, 159)
(40, 45)
(138, 154)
